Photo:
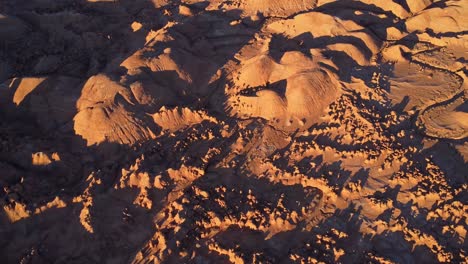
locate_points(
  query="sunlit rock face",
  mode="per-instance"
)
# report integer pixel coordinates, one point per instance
(291, 74)
(289, 93)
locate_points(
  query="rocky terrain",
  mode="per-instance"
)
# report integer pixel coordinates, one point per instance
(241, 131)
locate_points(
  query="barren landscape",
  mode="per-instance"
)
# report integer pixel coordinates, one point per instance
(241, 131)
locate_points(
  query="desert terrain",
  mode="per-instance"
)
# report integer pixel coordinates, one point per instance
(241, 131)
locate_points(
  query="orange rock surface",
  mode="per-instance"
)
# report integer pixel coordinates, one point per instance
(243, 131)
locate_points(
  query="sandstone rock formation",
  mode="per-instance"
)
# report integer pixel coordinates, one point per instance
(190, 131)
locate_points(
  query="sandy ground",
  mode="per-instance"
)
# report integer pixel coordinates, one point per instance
(242, 131)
